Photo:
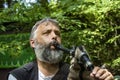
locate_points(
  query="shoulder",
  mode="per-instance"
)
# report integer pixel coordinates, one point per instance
(23, 70)
(27, 67)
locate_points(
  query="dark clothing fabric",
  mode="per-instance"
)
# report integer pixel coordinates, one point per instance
(30, 72)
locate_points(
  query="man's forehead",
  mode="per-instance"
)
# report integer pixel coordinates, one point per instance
(48, 25)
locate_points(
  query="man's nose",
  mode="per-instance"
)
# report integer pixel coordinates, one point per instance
(54, 36)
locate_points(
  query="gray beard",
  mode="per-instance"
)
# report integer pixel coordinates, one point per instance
(45, 54)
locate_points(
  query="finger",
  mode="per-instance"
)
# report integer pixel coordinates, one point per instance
(95, 70)
(109, 77)
(105, 75)
(92, 74)
(100, 72)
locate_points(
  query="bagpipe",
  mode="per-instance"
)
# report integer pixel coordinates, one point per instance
(79, 53)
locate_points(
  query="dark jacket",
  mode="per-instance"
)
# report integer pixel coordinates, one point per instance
(30, 72)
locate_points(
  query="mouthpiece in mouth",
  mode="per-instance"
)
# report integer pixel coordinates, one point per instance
(55, 44)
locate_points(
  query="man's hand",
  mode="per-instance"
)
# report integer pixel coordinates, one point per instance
(101, 74)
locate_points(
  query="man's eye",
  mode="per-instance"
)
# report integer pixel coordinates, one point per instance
(57, 33)
(47, 32)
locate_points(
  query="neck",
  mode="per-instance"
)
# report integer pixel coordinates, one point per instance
(48, 69)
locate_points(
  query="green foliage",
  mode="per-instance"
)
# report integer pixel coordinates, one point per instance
(92, 23)
(15, 50)
(95, 25)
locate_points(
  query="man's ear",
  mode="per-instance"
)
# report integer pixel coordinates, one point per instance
(32, 43)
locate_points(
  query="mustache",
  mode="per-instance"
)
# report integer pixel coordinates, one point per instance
(48, 45)
(53, 43)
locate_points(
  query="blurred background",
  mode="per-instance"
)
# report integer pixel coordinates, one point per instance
(92, 23)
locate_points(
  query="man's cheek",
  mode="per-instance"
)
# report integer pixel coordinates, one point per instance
(47, 41)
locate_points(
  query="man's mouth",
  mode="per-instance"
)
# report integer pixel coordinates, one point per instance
(52, 45)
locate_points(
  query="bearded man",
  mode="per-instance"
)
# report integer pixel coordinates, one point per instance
(48, 64)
